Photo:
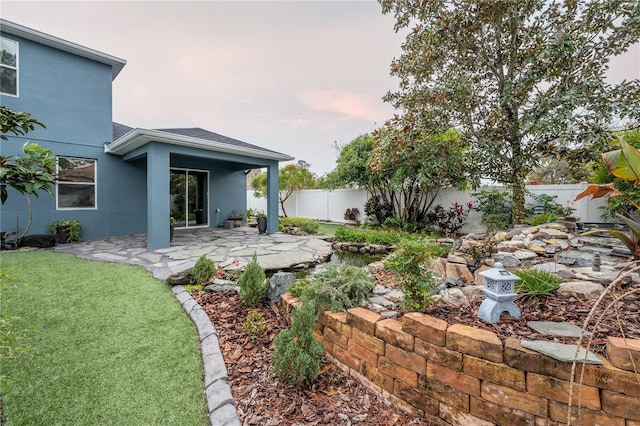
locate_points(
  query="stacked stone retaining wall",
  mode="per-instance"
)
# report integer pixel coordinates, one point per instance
(468, 376)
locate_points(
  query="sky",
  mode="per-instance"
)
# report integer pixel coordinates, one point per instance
(295, 77)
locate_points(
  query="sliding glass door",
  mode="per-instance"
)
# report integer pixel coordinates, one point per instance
(189, 197)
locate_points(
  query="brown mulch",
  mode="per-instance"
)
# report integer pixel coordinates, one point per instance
(335, 398)
(623, 321)
(338, 399)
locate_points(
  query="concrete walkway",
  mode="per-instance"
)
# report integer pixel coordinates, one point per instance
(228, 248)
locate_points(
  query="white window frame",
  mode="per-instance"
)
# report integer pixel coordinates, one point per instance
(16, 68)
(95, 183)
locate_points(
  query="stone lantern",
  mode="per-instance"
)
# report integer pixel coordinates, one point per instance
(500, 290)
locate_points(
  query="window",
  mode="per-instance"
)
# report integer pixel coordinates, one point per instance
(76, 188)
(8, 67)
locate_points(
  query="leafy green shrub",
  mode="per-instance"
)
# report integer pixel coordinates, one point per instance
(495, 207)
(297, 354)
(370, 236)
(203, 270)
(536, 283)
(309, 226)
(253, 283)
(255, 324)
(350, 235)
(541, 218)
(411, 261)
(338, 288)
(73, 226)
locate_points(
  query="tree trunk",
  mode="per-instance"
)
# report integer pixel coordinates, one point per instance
(517, 209)
(30, 218)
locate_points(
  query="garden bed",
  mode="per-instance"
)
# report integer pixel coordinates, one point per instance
(334, 399)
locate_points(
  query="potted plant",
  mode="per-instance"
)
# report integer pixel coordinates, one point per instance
(67, 230)
(172, 225)
(262, 222)
(238, 218)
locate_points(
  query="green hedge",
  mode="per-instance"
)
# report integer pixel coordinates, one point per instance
(368, 236)
(309, 226)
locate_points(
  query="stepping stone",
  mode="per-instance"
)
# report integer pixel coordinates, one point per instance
(561, 352)
(557, 328)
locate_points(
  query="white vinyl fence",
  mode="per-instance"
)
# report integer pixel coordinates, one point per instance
(330, 205)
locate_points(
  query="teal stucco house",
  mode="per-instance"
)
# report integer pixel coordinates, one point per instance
(116, 179)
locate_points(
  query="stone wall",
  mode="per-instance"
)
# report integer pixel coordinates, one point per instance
(468, 376)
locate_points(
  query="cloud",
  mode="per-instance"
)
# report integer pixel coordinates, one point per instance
(316, 122)
(350, 104)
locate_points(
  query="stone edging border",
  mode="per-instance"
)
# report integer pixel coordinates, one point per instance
(220, 403)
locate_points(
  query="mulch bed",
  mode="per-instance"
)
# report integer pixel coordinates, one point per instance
(336, 398)
(624, 320)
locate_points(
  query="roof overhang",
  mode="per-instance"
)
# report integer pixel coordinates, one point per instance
(136, 138)
(57, 43)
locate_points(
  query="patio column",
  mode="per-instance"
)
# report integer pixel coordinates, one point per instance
(272, 198)
(157, 196)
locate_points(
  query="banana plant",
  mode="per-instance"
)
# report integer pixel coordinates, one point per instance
(623, 163)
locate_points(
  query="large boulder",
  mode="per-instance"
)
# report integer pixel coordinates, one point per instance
(279, 284)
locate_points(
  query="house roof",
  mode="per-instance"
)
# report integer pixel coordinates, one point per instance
(18, 30)
(126, 139)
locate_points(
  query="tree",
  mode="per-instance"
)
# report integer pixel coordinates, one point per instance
(403, 171)
(353, 166)
(560, 171)
(31, 172)
(520, 79)
(415, 165)
(291, 178)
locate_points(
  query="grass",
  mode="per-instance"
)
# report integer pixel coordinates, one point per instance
(536, 283)
(111, 346)
(328, 228)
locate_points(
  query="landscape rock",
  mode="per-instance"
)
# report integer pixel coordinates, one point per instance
(580, 290)
(624, 353)
(552, 249)
(525, 255)
(508, 260)
(181, 278)
(537, 246)
(551, 267)
(575, 258)
(479, 279)
(454, 297)
(279, 284)
(554, 225)
(548, 233)
(473, 290)
(509, 235)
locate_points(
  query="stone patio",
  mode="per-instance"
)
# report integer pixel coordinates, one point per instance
(229, 248)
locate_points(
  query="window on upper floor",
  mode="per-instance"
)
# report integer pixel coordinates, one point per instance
(76, 187)
(8, 67)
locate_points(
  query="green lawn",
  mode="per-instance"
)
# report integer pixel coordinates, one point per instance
(328, 228)
(111, 346)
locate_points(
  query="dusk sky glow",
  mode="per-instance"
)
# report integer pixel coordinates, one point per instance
(291, 76)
